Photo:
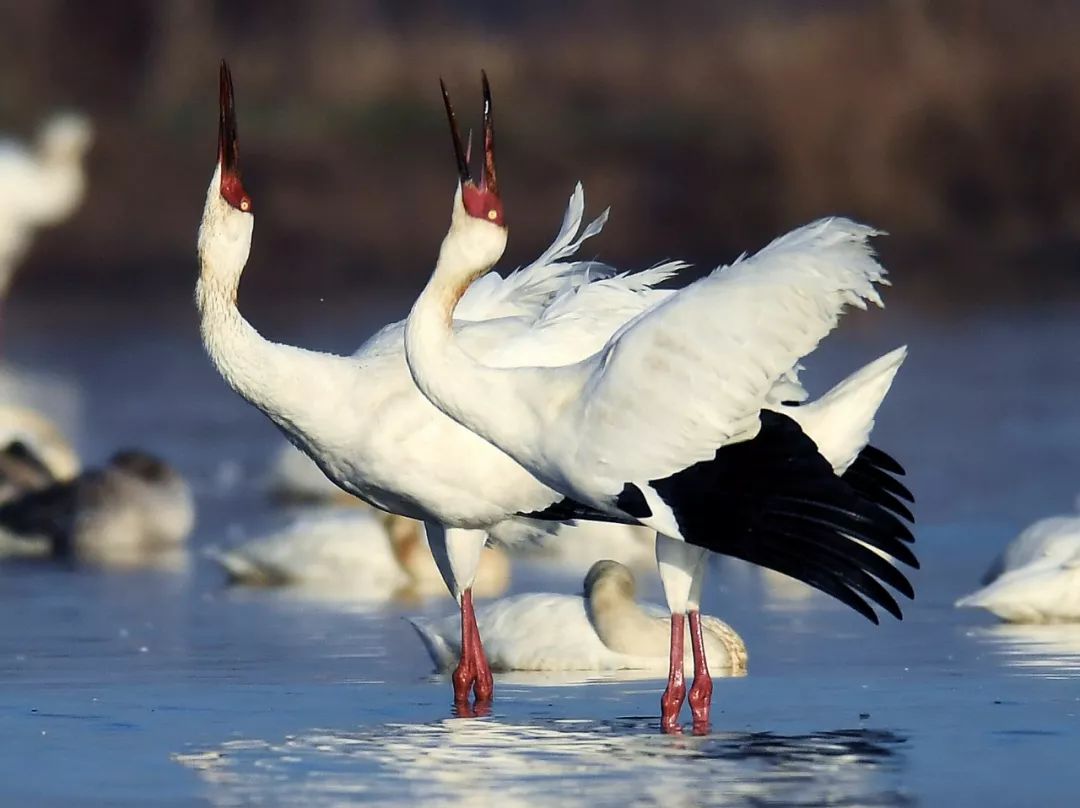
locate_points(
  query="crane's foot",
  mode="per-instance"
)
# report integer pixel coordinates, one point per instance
(463, 677)
(671, 701)
(484, 682)
(701, 689)
(700, 698)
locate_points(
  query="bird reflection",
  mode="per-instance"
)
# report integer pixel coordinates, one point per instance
(487, 761)
(1050, 651)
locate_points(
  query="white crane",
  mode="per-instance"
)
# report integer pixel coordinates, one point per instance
(361, 417)
(40, 187)
(674, 422)
(604, 629)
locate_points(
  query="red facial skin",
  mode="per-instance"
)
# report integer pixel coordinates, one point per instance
(233, 192)
(481, 203)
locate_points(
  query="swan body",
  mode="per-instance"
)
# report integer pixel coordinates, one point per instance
(40, 187)
(603, 630)
(352, 552)
(1037, 578)
(134, 504)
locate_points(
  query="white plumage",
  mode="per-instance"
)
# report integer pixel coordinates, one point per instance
(42, 437)
(347, 552)
(361, 418)
(674, 422)
(1037, 577)
(575, 548)
(684, 379)
(39, 187)
(602, 630)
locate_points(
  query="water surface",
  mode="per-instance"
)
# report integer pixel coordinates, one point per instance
(165, 687)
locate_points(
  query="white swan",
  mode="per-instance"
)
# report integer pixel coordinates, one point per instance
(136, 505)
(349, 552)
(1037, 577)
(603, 630)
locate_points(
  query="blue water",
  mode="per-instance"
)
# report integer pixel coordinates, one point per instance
(167, 688)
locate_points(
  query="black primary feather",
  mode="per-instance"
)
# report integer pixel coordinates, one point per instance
(775, 501)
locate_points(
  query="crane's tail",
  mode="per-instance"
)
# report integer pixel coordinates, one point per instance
(840, 421)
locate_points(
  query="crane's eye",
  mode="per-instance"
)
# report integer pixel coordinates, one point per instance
(245, 204)
(493, 215)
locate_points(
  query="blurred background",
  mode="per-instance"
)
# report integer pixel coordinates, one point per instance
(708, 126)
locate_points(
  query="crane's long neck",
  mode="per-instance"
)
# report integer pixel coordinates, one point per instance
(492, 402)
(278, 379)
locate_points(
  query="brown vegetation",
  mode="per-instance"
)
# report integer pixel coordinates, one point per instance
(708, 126)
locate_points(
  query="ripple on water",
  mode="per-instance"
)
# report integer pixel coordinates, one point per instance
(567, 763)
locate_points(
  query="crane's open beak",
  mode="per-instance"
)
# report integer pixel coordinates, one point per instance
(488, 181)
(232, 189)
(228, 148)
(455, 135)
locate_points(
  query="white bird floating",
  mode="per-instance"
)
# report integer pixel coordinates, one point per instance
(40, 187)
(362, 419)
(353, 553)
(133, 511)
(676, 422)
(1037, 577)
(603, 630)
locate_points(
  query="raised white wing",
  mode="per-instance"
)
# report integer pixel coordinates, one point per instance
(692, 373)
(529, 289)
(579, 322)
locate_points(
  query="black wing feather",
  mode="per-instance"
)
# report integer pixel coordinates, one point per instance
(776, 502)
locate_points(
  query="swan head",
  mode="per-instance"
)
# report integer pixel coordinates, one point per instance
(228, 220)
(609, 579)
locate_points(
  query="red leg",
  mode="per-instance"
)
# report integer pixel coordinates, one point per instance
(672, 700)
(700, 697)
(483, 681)
(464, 673)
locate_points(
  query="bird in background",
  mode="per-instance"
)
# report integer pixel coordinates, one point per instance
(604, 629)
(357, 553)
(1036, 578)
(40, 186)
(362, 419)
(675, 422)
(122, 514)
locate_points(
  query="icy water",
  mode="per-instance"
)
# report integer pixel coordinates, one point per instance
(163, 687)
